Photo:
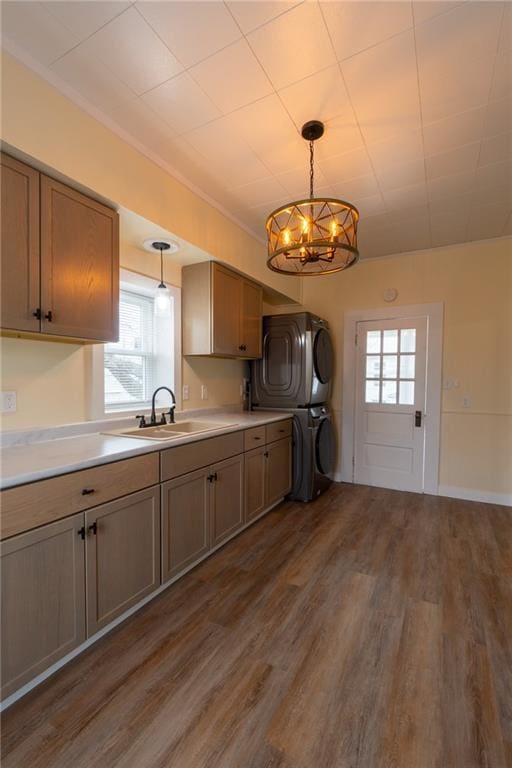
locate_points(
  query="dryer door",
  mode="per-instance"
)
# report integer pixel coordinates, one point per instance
(324, 447)
(323, 356)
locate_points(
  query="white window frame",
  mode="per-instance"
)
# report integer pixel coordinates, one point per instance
(434, 313)
(95, 353)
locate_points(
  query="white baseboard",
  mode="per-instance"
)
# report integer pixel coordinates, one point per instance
(473, 494)
(456, 492)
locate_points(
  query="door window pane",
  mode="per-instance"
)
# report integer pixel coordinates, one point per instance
(407, 366)
(372, 392)
(408, 340)
(390, 341)
(389, 366)
(372, 366)
(373, 342)
(389, 392)
(407, 393)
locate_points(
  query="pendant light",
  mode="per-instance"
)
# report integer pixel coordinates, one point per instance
(314, 236)
(162, 302)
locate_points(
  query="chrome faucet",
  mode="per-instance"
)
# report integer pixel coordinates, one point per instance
(152, 422)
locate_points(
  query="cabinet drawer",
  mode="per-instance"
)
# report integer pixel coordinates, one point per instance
(254, 437)
(185, 458)
(278, 431)
(29, 506)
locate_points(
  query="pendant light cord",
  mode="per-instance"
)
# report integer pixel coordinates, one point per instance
(311, 167)
(161, 266)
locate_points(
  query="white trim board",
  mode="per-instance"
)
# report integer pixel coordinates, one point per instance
(434, 313)
(472, 494)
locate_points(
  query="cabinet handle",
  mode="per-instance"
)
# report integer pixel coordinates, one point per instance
(281, 430)
(214, 477)
(49, 316)
(266, 454)
(93, 527)
(87, 491)
(81, 532)
(37, 313)
(242, 347)
(256, 438)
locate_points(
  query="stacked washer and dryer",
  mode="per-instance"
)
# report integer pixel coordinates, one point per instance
(294, 376)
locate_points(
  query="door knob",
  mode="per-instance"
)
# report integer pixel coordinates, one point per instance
(417, 419)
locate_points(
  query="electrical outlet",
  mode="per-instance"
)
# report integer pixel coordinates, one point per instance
(204, 392)
(466, 401)
(186, 392)
(9, 404)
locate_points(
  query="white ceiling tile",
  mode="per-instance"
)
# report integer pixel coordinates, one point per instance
(505, 42)
(91, 78)
(357, 188)
(498, 117)
(341, 135)
(296, 181)
(496, 149)
(449, 228)
(501, 86)
(402, 217)
(453, 131)
(383, 86)
(261, 192)
(182, 103)
(493, 183)
(404, 148)
(488, 221)
(132, 50)
(355, 26)
(402, 174)
(286, 61)
(227, 153)
(349, 165)
(424, 10)
(34, 29)
(450, 186)
(322, 95)
(82, 17)
(192, 30)
(232, 77)
(369, 206)
(406, 197)
(456, 205)
(459, 160)
(412, 233)
(253, 13)
(268, 129)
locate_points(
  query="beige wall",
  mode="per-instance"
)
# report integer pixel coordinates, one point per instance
(475, 283)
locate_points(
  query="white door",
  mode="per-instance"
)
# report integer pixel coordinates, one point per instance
(390, 403)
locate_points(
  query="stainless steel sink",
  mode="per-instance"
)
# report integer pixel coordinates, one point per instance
(169, 431)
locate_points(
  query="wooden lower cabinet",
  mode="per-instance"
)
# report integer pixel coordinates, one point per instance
(43, 605)
(122, 555)
(255, 493)
(185, 521)
(278, 470)
(226, 501)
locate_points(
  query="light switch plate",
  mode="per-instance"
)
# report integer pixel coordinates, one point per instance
(204, 392)
(186, 392)
(9, 404)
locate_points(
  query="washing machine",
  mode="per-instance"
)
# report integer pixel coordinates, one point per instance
(296, 368)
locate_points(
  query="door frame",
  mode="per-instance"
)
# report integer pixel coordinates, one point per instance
(434, 314)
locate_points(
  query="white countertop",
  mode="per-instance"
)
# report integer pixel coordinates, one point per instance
(32, 461)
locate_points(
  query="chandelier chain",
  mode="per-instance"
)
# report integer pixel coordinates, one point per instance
(311, 167)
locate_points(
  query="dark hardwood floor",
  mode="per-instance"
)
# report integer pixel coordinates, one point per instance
(370, 629)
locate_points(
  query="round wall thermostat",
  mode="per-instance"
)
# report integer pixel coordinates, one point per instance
(390, 294)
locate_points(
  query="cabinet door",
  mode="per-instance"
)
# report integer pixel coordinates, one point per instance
(185, 521)
(226, 308)
(254, 485)
(20, 246)
(122, 555)
(251, 319)
(43, 606)
(79, 264)
(226, 509)
(278, 470)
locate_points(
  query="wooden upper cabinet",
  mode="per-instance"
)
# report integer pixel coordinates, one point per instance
(250, 320)
(20, 246)
(222, 312)
(79, 264)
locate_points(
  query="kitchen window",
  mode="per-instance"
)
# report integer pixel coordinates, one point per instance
(126, 373)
